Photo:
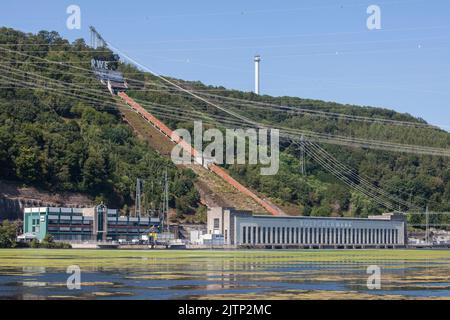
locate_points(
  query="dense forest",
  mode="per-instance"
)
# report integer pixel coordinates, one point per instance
(59, 142)
(54, 141)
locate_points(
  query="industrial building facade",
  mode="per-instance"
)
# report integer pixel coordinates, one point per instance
(242, 229)
(87, 224)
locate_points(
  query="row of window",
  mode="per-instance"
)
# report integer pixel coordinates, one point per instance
(89, 222)
(113, 230)
(292, 235)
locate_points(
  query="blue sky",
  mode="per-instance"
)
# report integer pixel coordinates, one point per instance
(312, 49)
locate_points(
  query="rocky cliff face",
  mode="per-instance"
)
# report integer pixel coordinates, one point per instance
(14, 198)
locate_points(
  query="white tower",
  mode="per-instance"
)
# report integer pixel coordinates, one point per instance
(257, 60)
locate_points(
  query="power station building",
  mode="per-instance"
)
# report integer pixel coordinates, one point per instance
(83, 224)
(243, 229)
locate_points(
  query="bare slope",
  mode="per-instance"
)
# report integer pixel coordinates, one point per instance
(212, 189)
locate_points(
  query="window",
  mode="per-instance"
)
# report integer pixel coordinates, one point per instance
(259, 235)
(288, 234)
(264, 235)
(216, 223)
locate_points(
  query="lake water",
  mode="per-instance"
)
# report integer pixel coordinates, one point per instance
(309, 274)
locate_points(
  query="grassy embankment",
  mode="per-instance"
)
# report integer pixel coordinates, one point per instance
(137, 258)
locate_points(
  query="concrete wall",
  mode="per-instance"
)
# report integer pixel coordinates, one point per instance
(226, 222)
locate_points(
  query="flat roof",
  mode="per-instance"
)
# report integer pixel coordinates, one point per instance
(321, 218)
(65, 210)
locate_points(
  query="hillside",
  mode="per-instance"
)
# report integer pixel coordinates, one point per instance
(213, 191)
(60, 142)
(56, 141)
(418, 179)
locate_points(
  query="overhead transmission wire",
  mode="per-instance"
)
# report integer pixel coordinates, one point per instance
(273, 106)
(338, 174)
(186, 91)
(333, 115)
(317, 44)
(85, 89)
(162, 111)
(354, 176)
(57, 90)
(246, 120)
(348, 181)
(266, 37)
(341, 176)
(361, 179)
(242, 118)
(62, 86)
(302, 110)
(347, 171)
(58, 63)
(39, 77)
(343, 140)
(326, 139)
(163, 114)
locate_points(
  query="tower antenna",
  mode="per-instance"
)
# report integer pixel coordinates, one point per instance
(96, 39)
(257, 61)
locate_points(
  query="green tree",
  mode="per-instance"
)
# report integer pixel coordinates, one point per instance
(27, 164)
(8, 233)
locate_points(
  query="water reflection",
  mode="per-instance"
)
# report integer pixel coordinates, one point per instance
(200, 276)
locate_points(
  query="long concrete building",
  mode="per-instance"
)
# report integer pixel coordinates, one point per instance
(243, 229)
